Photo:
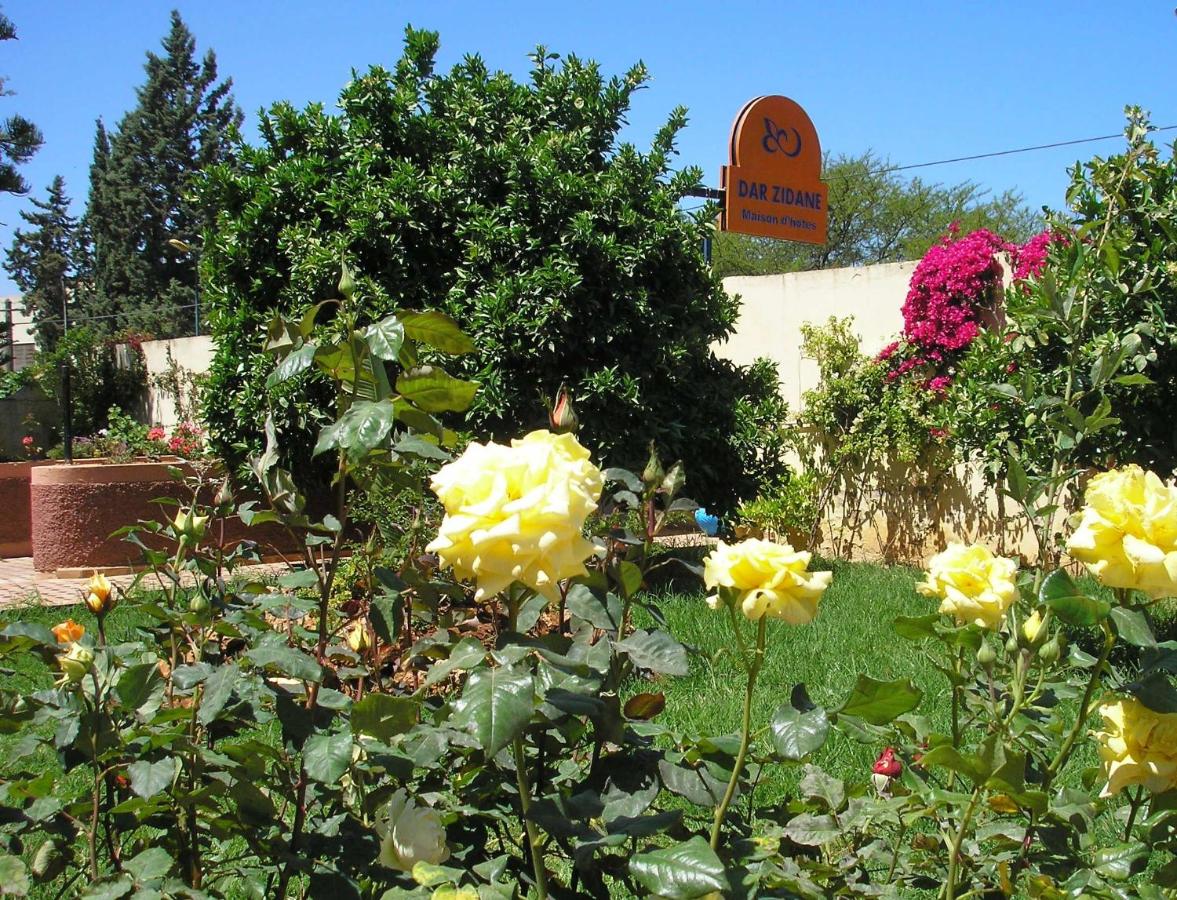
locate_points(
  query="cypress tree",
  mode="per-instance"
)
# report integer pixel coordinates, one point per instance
(19, 138)
(44, 261)
(141, 183)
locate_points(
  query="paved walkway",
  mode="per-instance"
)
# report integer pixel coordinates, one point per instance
(20, 584)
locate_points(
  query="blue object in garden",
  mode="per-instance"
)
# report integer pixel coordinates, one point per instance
(708, 523)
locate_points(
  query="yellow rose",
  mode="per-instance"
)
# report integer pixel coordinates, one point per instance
(515, 513)
(358, 638)
(772, 580)
(1127, 532)
(973, 585)
(1139, 746)
(1031, 627)
(99, 594)
(75, 664)
(410, 834)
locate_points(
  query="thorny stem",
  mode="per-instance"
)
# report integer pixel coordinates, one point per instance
(954, 857)
(537, 856)
(1136, 803)
(746, 732)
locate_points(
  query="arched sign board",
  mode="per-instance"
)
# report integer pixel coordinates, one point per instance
(772, 184)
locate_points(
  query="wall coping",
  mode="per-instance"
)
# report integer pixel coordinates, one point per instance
(103, 471)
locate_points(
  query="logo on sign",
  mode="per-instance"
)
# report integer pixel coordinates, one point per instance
(776, 139)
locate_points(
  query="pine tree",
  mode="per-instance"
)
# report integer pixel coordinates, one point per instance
(141, 183)
(19, 138)
(46, 262)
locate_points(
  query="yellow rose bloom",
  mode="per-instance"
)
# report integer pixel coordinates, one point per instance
(973, 585)
(516, 513)
(1032, 626)
(772, 580)
(1127, 532)
(99, 594)
(1138, 746)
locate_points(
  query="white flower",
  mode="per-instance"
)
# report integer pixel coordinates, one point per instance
(410, 834)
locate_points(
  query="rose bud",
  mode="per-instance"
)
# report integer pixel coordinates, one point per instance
(887, 764)
(99, 594)
(563, 417)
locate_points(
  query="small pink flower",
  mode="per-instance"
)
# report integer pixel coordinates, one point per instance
(1011, 368)
(27, 440)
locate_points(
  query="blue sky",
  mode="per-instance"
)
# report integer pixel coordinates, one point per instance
(914, 82)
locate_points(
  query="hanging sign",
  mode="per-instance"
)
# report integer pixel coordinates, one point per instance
(772, 184)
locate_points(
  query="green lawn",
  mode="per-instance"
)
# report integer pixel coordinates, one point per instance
(851, 634)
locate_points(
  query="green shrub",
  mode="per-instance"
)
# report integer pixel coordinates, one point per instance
(515, 208)
(790, 512)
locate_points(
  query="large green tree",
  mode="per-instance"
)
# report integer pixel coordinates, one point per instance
(876, 215)
(19, 138)
(515, 208)
(47, 262)
(141, 216)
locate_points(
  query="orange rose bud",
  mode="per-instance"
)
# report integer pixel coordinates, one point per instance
(68, 631)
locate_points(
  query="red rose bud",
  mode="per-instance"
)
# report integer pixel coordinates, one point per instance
(563, 417)
(887, 764)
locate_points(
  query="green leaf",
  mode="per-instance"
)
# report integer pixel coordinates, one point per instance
(14, 877)
(946, 756)
(1068, 601)
(385, 338)
(150, 864)
(1119, 862)
(656, 651)
(685, 871)
(433, 390)
(585, 603)
(217, 691)
(149, 778)
(1132, 625)
(1018, 486)
(626, 477)
(796, 734)
(382, 716)
(327, 756)
(630, 578)
(880, 702)
(295, 363)
(32, 632)
(386, 616)
(917, 628)
(361, 429)
(137, 683)
(435, 329)
(287, 661)
(812, 830)
(466, 654)
(415, 445)
(496, 705)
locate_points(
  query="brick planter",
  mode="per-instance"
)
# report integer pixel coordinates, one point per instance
(75, 508)
(16, 523)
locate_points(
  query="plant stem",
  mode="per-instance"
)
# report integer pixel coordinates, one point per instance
(954, 858)
(746, 733)
(1136, 803)
(1064, 752)
(537, 856)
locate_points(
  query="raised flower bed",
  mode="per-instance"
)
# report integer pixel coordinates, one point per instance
(77, 507)
(16, 524)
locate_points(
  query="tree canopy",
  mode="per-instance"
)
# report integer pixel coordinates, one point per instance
(515, 208)
(875, 216)
(46, 262)
(20, 139)
(143, 222)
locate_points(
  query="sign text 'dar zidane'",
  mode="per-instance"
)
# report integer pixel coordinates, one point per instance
(772, 184)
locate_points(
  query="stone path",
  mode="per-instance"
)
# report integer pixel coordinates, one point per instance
(20, 584)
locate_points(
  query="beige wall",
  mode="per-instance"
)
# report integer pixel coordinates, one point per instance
(192, 356)
(773, 308)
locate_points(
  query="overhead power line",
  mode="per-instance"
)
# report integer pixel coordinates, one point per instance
(995, 153)
(73, 320)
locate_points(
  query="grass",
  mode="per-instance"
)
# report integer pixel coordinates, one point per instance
(851, 634)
